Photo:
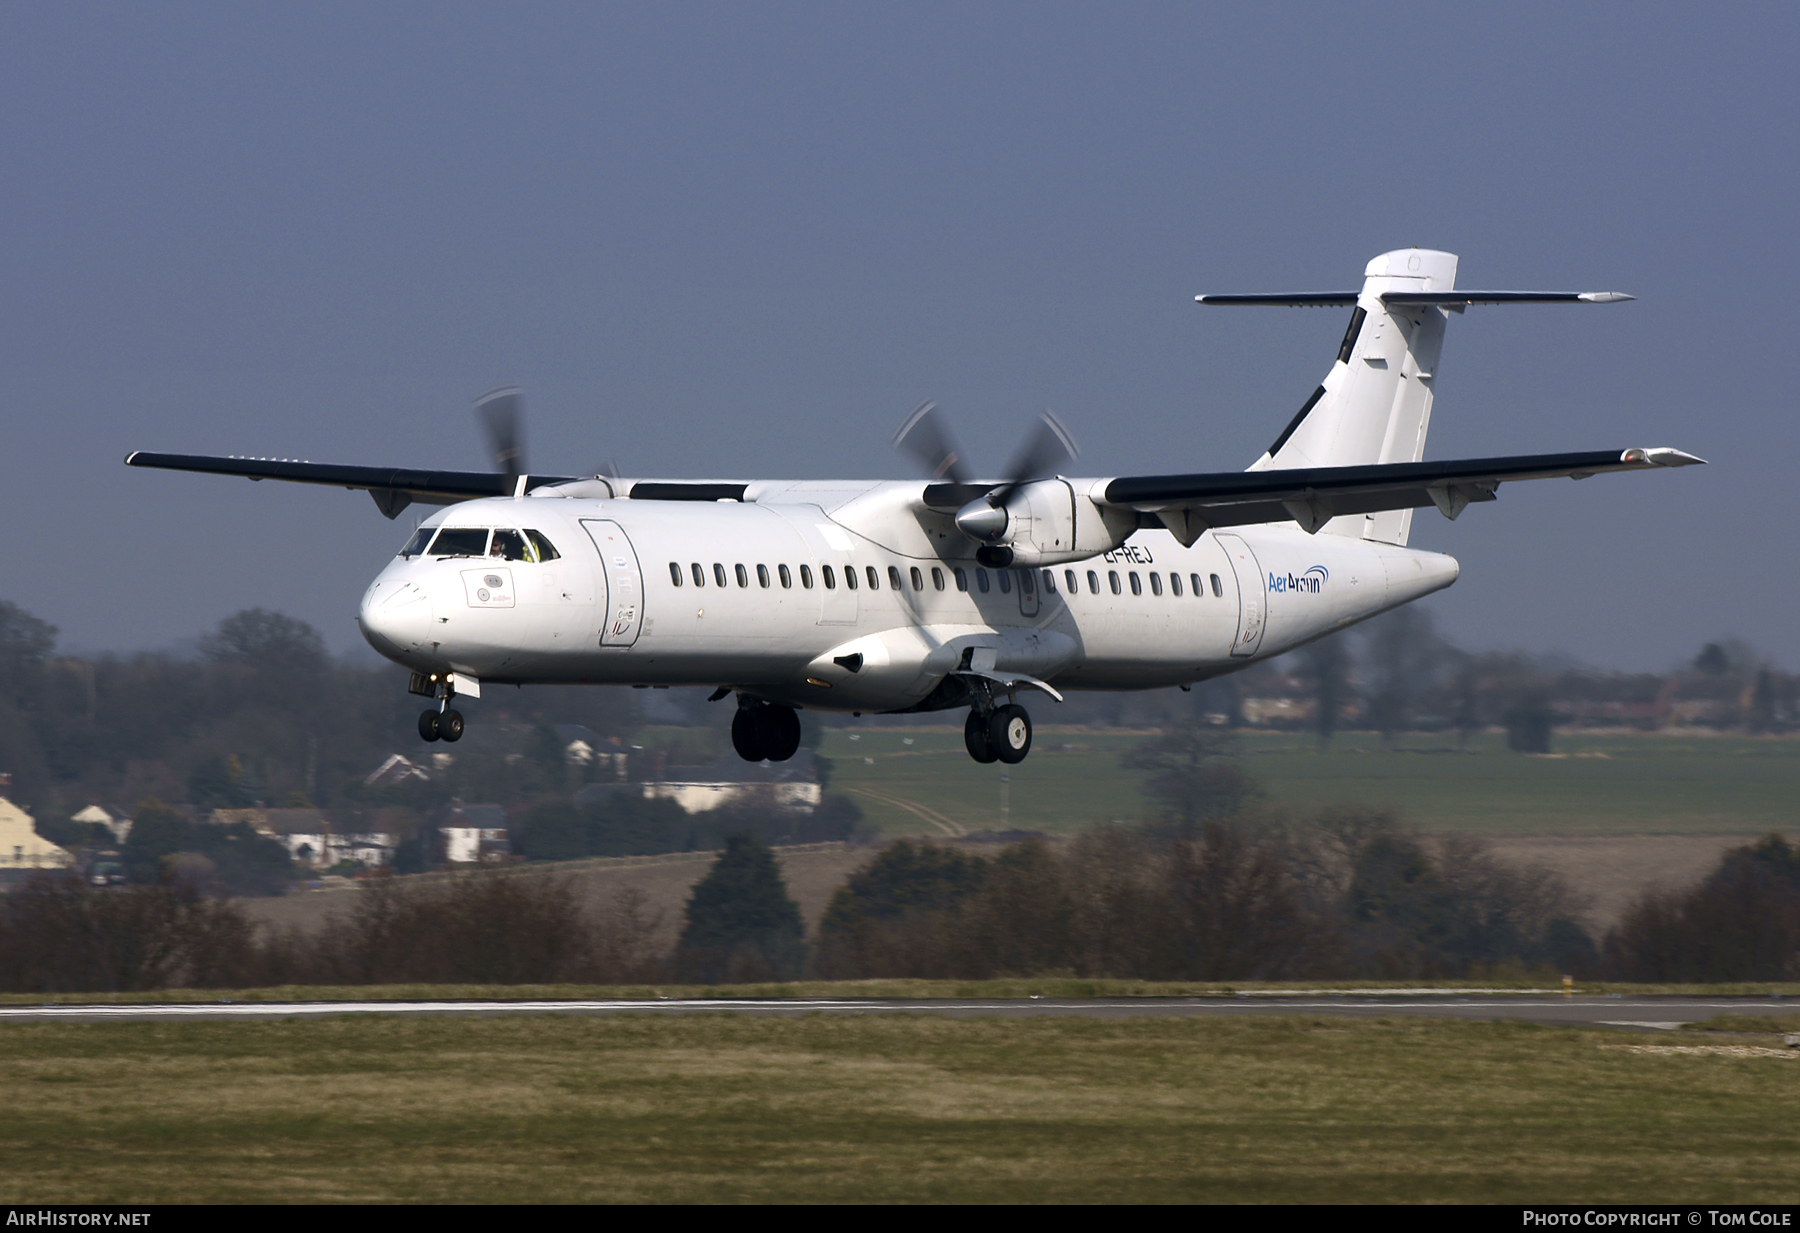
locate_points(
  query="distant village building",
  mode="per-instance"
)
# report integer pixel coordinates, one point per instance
(22, 849)
(474, 834)
(697, 789)
(94, 815)
(398, 769)
(318, 838)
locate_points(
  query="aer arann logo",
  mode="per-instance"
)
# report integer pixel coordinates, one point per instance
(1309, 583)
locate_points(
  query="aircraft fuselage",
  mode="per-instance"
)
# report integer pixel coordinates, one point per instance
(818, 596)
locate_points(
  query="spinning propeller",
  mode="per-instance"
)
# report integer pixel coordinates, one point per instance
(926, 437)
(502, 418)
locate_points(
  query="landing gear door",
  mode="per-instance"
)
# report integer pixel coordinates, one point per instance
(1253, 604)
(623, 606)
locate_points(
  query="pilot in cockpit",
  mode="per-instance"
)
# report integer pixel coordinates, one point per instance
(510, 546)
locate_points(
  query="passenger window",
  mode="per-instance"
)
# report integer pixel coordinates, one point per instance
(849, 577)
(1069, 577)
(718, 573)
(762, 576)
(546, 551)
(1005, 577)
(1218, 587)
(962, 579)
(699, 575)
(1156, 584)
(675, 572)
(874, 578)
(827, 577)
(787, 579)
(416, 544)
(1050, 581)
(460, 542)
(1137, 586)
(743, 575)
(919, 580)
(1199, 586)
(894, 578)
(805, 576)
(1175, 585)
(1112, 579)
(937, 577)
(1093, 583)
(981, 579)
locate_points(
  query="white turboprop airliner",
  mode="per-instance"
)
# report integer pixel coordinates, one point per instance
(949, 593)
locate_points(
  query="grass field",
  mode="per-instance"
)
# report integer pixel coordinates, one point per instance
(1592, 786)
(721, 1108)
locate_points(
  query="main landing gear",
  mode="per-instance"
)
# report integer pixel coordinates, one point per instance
(762, 730)
(997, 732)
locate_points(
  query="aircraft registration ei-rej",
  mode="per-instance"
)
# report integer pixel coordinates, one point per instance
(948, 593)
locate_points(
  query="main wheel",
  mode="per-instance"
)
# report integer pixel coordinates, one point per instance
(428, 726)
(975, 736)
(1009, 731)
(749, 734)
(450, 725)
(781, 727)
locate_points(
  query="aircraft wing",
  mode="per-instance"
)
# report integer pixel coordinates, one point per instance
(1189, 504)
(392, 487)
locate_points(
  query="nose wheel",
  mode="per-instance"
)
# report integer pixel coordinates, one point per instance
(1004, 735)
(441, 725)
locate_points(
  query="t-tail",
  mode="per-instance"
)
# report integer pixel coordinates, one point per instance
(1374, 406)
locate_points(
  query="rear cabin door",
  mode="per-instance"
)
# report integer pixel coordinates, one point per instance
(623, 606)
(1253, 604)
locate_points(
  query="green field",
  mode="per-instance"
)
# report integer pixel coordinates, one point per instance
(889, 1108)
(1592, 785)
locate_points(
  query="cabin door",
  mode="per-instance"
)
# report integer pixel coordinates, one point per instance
(623, 604)
(1253, 604)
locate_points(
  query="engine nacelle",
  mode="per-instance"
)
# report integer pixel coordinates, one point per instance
(1047, 522)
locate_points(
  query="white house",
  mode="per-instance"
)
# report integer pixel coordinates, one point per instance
(21, 848)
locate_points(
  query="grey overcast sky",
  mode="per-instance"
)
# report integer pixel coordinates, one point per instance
(744, 240)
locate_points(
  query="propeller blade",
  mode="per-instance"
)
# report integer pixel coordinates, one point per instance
(503, 421)
(926, 437)
(1048, 447)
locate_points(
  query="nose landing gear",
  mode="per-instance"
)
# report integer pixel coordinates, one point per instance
(762, 730)
(445, 725)
(440, 723)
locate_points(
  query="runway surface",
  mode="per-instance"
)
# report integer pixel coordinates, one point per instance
(1645, 1013)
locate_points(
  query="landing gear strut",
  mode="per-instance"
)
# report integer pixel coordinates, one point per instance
(761, 730)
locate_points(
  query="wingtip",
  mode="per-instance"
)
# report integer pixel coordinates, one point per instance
(1604, 297)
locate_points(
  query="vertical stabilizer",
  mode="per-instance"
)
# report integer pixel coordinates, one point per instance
(1375, 403)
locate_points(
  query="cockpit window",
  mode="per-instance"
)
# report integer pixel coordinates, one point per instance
(416, 544)
(546, 550)
(508, 545)
(460, 542)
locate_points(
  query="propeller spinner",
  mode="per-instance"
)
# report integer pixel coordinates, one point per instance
(926, 437)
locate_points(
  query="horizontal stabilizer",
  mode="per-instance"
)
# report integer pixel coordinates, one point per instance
(1317, 299)
(1446, 299)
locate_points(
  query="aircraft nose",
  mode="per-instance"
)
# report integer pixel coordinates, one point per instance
(395, 617)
